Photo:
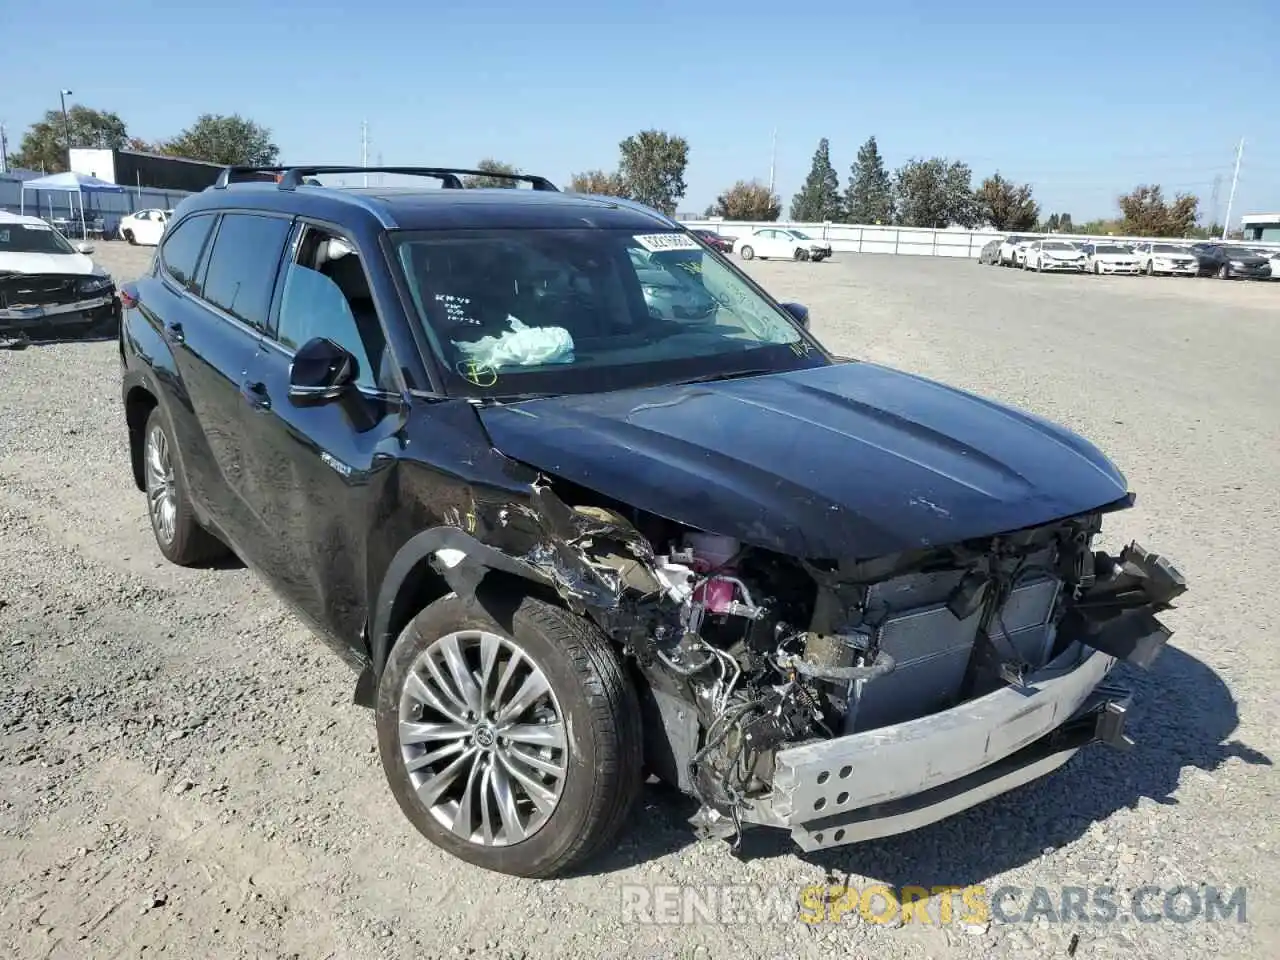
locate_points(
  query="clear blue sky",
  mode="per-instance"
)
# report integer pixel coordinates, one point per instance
(1083, 100)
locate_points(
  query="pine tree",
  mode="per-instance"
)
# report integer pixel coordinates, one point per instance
(819, 198)
(869, 198)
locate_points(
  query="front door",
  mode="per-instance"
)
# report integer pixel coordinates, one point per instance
(322, 472)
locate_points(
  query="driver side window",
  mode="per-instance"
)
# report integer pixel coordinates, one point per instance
(326, 294)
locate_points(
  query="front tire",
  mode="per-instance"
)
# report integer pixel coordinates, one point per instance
(746, 253)
(513, 745)
(1224, 272)
(173, 522)
(133, 241)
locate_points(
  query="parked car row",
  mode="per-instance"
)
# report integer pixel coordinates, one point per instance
(1209, 258)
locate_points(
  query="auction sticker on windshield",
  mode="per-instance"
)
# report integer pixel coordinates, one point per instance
(657, 242)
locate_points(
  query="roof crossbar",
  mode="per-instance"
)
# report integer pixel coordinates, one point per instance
(289, 178)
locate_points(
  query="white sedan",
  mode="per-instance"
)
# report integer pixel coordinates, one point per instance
(782, 244)
(1045, 255)
(1009, 249)
(1111, 258)
(145, 227)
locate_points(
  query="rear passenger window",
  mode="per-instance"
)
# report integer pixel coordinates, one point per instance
(243, 264)
(182, 246)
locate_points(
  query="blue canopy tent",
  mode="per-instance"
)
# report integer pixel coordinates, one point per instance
(77, 183)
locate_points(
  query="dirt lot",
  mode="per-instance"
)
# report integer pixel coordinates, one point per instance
(182, 773)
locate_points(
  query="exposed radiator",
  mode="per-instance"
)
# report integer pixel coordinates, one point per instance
(932, 646)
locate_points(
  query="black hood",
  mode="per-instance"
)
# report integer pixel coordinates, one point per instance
(853, 460)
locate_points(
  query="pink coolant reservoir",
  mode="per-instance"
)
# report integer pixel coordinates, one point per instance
(712, 552)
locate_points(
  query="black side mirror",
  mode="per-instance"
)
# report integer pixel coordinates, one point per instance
(321, 371)
(799, 311)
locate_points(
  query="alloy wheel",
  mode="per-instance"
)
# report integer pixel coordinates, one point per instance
(162, 494)
(483, 738)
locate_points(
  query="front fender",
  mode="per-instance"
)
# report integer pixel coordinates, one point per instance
(456, 558)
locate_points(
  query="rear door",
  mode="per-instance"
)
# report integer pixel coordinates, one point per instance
(320, 472)
(191, 366)
(237, 285)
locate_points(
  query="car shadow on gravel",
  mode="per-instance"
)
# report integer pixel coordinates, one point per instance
(1183, 717)
(24, 342)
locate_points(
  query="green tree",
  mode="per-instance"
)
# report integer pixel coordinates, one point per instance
(1146, 213)
(819, 198)
(1064, 223)
(869, 197)
(490, 165)
(598, 181)
(652, 165)
(747, 200)
(1005, 205)
(226, 139)
(44, 144)
(935, 193)
(1050, 224)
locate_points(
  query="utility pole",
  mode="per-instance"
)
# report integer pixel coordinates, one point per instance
(1213, 199)
(1231, 197)
(4, 150)
(66, 122)
(364, 147)
(773, 160)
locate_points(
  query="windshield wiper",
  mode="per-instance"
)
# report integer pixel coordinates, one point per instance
(731, 375)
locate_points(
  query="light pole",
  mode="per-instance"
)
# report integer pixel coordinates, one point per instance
(66, 122)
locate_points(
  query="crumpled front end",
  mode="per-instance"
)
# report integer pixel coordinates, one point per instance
(50, 306)
(850, 700)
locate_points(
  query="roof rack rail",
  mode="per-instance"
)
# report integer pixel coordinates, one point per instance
(289, 178)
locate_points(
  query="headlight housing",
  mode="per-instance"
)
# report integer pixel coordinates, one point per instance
(96, 284)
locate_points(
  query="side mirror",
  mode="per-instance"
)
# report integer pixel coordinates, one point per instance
(321, 371)
(83, 247)
(799, 311)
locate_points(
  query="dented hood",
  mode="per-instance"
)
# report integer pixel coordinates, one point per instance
(853, 460)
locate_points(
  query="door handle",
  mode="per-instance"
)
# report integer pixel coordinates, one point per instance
(174, 331)
(256, 394)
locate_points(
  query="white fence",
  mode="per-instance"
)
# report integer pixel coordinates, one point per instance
(908, 241)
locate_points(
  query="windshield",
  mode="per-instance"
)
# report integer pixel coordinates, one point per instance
(1057, 245)
(544, 311)
(1166, 248)
(32, 238)
(1111, 248)
(799, 234)
(1238, 252)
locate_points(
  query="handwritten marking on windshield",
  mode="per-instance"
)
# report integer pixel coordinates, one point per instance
(480, 374)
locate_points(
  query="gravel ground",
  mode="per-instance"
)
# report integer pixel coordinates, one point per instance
(182, 773)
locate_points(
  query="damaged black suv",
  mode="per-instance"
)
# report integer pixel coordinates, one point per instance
(579, 501)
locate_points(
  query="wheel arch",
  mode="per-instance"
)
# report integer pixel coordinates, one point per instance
(138, 404)
(431, 565)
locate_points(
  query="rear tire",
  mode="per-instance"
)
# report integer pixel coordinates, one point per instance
(746, 253)
(597, 748)
(178, 535)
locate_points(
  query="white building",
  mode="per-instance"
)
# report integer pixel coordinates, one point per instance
(1261, 226)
